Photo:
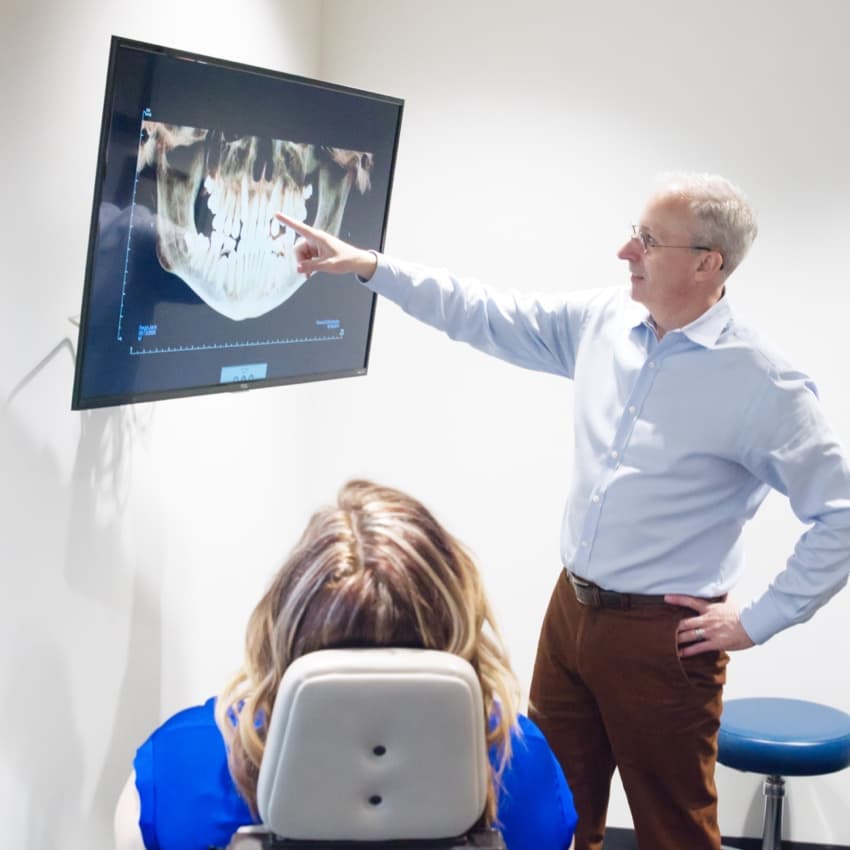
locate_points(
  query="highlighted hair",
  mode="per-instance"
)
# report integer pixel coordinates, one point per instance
(376, 569)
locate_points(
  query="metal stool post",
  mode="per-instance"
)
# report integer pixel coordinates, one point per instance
(774, 796)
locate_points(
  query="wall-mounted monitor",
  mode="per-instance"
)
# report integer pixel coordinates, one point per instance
(190, 282)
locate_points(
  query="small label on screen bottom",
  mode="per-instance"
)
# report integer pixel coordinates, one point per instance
(247, 372)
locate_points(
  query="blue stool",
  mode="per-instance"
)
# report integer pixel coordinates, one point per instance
(782, 737)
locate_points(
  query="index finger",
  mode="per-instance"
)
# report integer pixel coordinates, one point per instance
(297, 226)
(692, 602)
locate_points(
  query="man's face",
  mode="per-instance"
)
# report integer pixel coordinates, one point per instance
(663, 278)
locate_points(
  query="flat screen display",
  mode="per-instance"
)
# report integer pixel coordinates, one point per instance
(190, 282)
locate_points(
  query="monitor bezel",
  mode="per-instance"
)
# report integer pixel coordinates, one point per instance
(118, 43)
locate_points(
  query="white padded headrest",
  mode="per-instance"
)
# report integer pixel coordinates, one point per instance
(375, 745)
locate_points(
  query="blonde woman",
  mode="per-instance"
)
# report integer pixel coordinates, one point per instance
(376, 569)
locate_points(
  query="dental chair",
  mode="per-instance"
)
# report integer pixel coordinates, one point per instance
(371, 749)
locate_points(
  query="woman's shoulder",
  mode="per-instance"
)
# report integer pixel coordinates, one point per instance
(536, 809)
(530, 751)
(526, 729)
(195, 717)
(187, 796)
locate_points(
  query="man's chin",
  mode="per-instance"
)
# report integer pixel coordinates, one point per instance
(638, 288)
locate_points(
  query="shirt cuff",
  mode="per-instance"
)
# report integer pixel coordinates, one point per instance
(378, 259)
(761, 619)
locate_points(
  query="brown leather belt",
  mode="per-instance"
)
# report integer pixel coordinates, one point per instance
(594, 596)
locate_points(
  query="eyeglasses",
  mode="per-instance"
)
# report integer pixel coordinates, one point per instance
(648, 241)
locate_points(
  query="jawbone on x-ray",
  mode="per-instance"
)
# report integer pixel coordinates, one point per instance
(216, 198)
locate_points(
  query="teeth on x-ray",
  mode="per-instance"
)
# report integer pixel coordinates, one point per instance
(216, 201)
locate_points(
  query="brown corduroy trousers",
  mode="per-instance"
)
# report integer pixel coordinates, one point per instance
(609, 690)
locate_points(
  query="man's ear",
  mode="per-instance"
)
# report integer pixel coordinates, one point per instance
(710, 262)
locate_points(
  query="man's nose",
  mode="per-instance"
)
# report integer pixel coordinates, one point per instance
(630, 251)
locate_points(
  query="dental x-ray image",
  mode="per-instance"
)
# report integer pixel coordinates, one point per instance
(191, 285)
(215, 203)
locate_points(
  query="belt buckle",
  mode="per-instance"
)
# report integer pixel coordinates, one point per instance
(586, 592)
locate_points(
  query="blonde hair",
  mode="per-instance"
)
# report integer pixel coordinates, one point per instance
(376, 569)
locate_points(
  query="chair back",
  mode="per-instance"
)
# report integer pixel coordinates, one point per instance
(375, 745)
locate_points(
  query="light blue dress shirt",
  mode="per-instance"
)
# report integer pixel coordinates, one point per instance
(677, 441)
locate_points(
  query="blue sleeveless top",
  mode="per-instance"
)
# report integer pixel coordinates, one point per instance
(189, 801)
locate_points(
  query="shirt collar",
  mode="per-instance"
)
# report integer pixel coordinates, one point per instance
(705, 330)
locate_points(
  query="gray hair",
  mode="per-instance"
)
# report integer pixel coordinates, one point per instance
(725, 218)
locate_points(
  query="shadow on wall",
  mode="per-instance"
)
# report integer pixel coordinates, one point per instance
(754, 821)
(100, 488)
(97, 567)
(81, 622)
(41, 740)
(41, 744)
(137, 707)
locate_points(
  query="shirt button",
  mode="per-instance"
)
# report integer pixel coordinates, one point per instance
(614, 454)
(584, 544)
(651, 364)
(632, 409)
(594, 498)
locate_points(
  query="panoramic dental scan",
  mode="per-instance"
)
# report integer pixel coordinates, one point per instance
(215, 203)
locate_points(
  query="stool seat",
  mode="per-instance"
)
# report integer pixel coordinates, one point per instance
(783, 737)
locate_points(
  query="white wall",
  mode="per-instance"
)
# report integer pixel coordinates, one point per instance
(135, 540)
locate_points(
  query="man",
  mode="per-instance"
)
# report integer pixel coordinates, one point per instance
(684, 420)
